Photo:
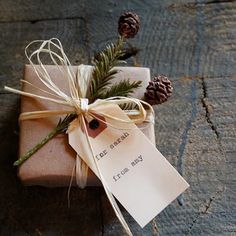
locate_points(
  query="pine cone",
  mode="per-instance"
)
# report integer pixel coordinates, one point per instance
(158, 90)
(128, 25)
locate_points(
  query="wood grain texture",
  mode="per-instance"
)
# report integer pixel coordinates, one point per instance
(181, 40)
(15, 36)
(192, 42)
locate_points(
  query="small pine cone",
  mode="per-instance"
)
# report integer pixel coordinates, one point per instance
(158, 90)
(129, 24)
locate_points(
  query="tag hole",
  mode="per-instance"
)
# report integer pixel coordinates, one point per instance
(94, 124)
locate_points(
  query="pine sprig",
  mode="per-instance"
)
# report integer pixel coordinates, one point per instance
(128, 106)
(64, 123)
(124, 88)
(104, 70)
(103, 73)
(60, 128)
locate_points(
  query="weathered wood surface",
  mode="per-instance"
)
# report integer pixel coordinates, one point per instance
(194, 43)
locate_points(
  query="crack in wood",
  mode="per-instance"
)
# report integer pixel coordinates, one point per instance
(206, 107)
(208, 117)
(208, 2)
(206, 208)
(154, 227)
(218, 1)
(194, 5)
(44, 19)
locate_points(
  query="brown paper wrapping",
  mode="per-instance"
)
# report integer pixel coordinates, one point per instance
(53, 164)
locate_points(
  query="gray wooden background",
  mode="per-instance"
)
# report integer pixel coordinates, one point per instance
(192, 42)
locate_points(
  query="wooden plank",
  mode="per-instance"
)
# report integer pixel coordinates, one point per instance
(177, 41)
(183, 39)
(21, 10)
(12, 51)
(11, 11)
(157, 35)
(193, 43)
(216, 215)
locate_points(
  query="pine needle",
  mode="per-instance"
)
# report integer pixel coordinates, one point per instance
(124, 88)
(60, 128)
(104, 70)
(128, 106)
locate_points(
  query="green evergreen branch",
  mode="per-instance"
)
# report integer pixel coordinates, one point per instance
(124, 88)
(103, 71)
(128, 106)
(60, 128)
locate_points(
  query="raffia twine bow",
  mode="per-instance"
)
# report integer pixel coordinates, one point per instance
(78, 85)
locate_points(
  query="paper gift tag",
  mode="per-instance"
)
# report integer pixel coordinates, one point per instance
(137, 174)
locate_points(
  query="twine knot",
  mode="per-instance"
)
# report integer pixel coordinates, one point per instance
(84, 105)
(81, 105)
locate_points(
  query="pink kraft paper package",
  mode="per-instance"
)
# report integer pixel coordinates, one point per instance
(53, 164)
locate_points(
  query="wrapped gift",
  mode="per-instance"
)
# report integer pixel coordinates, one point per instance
(53, 164)
(102, 106)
